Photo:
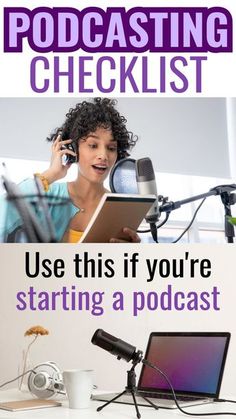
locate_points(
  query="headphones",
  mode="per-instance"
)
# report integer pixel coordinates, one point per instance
(73, 146)
(45, 380)
(67, 158)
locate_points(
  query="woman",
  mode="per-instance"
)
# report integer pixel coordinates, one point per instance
(95, 135)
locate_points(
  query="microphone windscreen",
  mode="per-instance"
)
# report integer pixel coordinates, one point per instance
(122, 177)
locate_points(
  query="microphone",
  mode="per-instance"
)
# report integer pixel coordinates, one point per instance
(116, 346)
(146, 182)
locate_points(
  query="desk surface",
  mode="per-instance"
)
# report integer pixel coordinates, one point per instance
(114, 411)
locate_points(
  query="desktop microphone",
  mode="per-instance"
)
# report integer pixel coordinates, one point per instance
(146, 182)
(116, 346)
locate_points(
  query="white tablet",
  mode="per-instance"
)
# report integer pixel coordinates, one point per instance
(114, 212)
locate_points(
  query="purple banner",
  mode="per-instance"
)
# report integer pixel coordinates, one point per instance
(140, 29)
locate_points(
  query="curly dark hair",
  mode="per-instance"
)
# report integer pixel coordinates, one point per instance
(86, 117)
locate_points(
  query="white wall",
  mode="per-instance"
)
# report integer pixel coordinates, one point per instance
(187, 136)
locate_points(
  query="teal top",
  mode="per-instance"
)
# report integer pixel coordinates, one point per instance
(60, 214)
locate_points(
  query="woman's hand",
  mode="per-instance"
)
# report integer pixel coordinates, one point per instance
(132, 237)
(57, 169)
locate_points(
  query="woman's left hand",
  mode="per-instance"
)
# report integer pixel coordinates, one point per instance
(132, 237)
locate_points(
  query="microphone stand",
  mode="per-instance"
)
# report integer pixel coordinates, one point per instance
(228, 198)
(131, 388)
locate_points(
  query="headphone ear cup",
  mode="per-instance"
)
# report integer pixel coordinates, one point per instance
(45, 380)
(68, 158)
(74, 147)
(77, 151)
(77, 154)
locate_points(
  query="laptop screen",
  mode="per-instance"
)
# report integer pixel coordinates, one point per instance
(193, 362)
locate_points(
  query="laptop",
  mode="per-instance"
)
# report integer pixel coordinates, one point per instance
(194, 363)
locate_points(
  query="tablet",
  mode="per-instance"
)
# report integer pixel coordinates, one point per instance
(113, 213)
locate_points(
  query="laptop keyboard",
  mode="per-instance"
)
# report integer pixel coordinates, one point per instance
(164, 401)
(168, 397)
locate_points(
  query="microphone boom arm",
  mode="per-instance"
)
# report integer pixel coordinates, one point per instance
(227, 198)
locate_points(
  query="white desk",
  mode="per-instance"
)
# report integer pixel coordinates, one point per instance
(114, 411)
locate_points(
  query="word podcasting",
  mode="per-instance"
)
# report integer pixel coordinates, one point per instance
(140, 50)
